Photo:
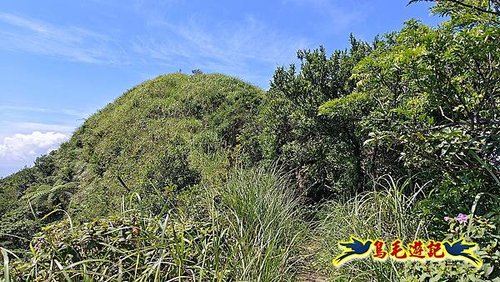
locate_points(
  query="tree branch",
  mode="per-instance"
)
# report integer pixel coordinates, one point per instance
(463, 4)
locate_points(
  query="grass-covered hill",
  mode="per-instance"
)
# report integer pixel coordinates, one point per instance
(158, 139)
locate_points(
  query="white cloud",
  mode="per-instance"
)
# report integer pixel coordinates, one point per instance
(26, 147)
(70, 42)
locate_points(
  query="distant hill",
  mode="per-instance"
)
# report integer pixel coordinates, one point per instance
(165, 135)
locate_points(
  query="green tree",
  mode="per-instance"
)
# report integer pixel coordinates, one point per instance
(427, 101)
(491, 7)
(324, 155)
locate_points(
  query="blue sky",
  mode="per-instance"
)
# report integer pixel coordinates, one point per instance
(63, 60)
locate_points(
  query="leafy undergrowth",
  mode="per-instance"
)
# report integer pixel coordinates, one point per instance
(388, 213)
(253, 231)
(384, 213)
(251, 228)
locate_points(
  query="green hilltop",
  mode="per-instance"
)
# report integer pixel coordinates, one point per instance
(165, 135)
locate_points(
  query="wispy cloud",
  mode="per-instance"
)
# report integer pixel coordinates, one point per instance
(69, 42)
(24, 147)
(37, 126)
(244, 49)
(66, 112)
(339, 17)
(237, 49)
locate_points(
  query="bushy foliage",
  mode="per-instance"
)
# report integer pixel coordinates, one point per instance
(481, 230)
(426, 105)
(324, 155)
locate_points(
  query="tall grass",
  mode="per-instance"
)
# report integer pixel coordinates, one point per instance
(383, 213)
(252, 231)
(264, 218)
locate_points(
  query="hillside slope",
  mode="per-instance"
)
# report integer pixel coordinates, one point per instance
(158, 139)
